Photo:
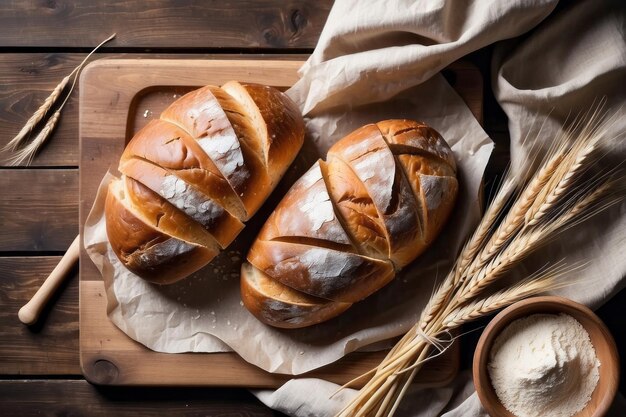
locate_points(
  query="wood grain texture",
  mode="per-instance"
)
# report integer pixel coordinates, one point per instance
(26, 79)
(38, 209)
(79, 398)
(267, 24)
(110, 357)
(117, 97)
(51, 346)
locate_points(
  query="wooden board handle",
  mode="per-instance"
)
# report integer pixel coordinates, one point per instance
(31, 310)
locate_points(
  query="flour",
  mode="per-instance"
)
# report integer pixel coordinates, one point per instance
(544, 365)
(318, 208)
(193, 203)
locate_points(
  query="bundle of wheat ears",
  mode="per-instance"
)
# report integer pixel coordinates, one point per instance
(22, 152)
(524, 214)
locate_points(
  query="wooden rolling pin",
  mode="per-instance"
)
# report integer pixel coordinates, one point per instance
(31, 310)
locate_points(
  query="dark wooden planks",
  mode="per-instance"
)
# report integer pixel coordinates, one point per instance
(51, 346)
(38, 209)
(79, 398)
(163, 23)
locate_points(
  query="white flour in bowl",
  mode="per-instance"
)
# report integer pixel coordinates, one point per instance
(544, 365)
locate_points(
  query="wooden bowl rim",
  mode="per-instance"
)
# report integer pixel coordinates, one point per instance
(547, 304)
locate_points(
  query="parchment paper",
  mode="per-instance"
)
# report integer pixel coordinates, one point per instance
(204, 313)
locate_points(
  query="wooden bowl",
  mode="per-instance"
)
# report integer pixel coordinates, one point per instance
(602, 341)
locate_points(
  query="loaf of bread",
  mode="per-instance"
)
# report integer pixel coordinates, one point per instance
(349, 224)
(191, 178)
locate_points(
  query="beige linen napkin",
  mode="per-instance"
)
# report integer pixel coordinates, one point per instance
(370, 51)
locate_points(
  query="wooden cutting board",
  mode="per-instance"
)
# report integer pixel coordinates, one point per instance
(117, 98)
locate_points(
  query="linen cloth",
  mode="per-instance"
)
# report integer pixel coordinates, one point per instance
(550, 64)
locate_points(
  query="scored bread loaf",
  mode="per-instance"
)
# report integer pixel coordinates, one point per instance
(350, 223)
(191, 178)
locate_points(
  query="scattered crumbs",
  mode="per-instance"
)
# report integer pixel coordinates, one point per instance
(213, 327)
(184, 304)
(212, 312)
(235, 258)
(405, 280)
(228, 322)
(301, 352)
(215, 270)
(146, 113)
(471, 152)
(177, 298)
(241, 303)
(236, 327)
(175, 96)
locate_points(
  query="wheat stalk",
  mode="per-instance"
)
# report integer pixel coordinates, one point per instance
(564, 163)
(27, 153)
(555, 199)
(38, 115)
(470, 249)
(477, 252)
(491, 215)
(531, 286)
(515, 217)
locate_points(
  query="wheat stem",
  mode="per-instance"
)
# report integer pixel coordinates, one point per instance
(470, 249)
(407, 382)
(514, 219)
(37, 116)
(561, 183)
(496, 301)
(28, 152)
(480, 235)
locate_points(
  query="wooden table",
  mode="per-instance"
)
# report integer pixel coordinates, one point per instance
(40, 42)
